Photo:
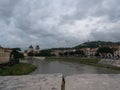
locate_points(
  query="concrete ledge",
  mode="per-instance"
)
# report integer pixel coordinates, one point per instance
(93, 82)
(31, 82)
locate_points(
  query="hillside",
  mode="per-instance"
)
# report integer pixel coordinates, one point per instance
(94, 44)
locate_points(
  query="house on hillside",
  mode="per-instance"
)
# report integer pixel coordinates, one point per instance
(117, 50)
(89, 51)
(57, 52)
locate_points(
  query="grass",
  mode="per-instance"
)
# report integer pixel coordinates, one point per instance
(17, 69)
(88, 61)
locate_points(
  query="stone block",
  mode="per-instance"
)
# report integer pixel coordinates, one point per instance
(31, 82)
(93, 82)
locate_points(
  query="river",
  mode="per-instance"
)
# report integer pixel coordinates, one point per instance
(68, 68)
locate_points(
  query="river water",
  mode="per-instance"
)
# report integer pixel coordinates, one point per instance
(68, 68)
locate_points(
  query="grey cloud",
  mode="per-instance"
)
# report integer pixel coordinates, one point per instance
(7, 8)
(112, 34)
(109, 8)
(58, 23)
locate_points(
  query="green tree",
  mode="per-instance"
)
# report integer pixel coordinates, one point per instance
(30, 54)
(105, 50)
(45, 53)
(15, 55)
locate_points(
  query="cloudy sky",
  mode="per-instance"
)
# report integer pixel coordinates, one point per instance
(58, 23)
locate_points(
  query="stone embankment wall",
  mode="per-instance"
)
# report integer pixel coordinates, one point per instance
(112, 62)
(56, 82)
(4, 59)
(4, 56)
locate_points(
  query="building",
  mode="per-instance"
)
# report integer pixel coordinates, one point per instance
(116, 50)
(57, 52)
(4, 54)
(32, 51)
(89, 51)
(37, 49)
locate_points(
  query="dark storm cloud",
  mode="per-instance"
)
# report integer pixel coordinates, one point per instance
(58, 23)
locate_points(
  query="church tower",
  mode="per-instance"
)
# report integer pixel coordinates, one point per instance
(30, 49)
(37, 49)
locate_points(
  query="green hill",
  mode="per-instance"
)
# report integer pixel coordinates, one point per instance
(94, 44)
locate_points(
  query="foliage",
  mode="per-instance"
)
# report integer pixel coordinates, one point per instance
(95, 44)
(21, 55)
(17, 69)
(105, 50)
(16, 49)
(45, 53)
(15, 55)
(30, 53)
(73, 53)
(37, 54)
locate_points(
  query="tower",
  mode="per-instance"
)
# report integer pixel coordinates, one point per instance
(30, 49)
(37, 49)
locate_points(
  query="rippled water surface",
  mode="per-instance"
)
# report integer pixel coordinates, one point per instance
(68, 68)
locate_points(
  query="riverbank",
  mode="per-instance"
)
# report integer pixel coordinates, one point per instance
(87, 61)
(17, 69)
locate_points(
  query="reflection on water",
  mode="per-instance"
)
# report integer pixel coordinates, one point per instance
(68, 68)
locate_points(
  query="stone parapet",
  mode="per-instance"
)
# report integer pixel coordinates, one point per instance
(93, 82)
(31, 82)
(56, 82)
